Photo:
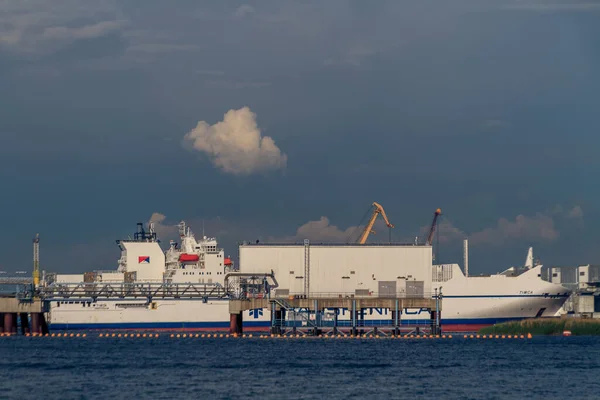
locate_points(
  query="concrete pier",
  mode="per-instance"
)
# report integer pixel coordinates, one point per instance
(237, 306)
(11, 309)
(311, 318)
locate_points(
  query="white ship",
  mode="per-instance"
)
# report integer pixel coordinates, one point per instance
(472, 302)
(181, 288)
(186, 286)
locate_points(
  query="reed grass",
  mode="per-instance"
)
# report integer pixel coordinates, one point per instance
(545, 326)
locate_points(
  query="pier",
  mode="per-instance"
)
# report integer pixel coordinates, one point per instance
(29, 312)
(20, 307)
(320, 315)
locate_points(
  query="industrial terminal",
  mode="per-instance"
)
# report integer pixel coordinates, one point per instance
(286, 288)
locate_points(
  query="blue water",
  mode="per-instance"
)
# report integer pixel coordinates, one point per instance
(254, 368)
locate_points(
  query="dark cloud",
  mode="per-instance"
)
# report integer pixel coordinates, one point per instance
(487, 112)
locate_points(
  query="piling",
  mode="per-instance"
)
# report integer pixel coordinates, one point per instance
(236, 323)
(9, 322)
(24, 323)
(35, 323)
(12, 309)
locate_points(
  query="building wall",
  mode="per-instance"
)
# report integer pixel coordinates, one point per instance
(69, 278)
(112, 277)
(145, 271)
(343, 269)
(585, 304)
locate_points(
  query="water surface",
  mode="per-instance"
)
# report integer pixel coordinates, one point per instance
(219, 368)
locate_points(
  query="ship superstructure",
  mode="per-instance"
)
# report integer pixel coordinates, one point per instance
(182, 288)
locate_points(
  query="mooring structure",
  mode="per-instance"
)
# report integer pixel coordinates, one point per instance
(342, 315)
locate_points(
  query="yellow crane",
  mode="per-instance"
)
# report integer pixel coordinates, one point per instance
(378, 209)
(36, 260)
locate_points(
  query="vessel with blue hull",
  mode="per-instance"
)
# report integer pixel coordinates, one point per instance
(187, 286)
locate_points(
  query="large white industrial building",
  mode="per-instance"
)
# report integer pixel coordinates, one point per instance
(388, 270)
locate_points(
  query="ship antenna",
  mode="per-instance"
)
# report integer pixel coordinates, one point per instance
(202, 228)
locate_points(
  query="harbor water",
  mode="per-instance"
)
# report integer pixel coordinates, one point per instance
(95, 367)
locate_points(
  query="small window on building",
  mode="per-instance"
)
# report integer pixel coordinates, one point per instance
(554, 275)
(582, 273)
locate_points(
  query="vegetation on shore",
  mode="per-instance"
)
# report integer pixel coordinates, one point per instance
(545, 326)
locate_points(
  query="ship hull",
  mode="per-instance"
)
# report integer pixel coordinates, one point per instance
(459, 314)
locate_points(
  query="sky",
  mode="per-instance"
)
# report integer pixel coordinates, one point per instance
(281, 120)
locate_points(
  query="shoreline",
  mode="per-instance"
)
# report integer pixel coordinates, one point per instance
(546, 326)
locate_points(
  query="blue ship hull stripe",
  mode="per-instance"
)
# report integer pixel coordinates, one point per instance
(266, 324)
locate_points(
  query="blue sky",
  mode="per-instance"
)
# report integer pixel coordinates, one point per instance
(485, 109)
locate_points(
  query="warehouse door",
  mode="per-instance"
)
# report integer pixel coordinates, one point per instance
(415, 289)
(387, 288)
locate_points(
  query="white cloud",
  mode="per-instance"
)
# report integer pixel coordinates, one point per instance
(163, 230)
(235, 145)
(244, 10)
(320, 230)
(214, 72)
(576, 212)
(445, 230)
(40, 27)
(540, 227)
(232, 84)
(355, 52)
(155, 48)
(90, 31)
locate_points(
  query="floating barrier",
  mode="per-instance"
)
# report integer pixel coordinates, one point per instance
(264, 336)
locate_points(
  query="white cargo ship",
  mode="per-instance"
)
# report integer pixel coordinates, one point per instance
(185, 287)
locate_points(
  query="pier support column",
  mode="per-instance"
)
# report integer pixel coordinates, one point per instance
(8, 322)
(277, 321)
(14, 327)
(24, 323)
(335, 321)
(1, 322)
(44, 324)
(397, 319)
(361, 322)
(235, 324)
(35, 323)
(354, 317)
(435, 325)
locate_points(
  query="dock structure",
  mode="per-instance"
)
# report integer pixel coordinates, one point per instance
(298, 314)
(29, 312)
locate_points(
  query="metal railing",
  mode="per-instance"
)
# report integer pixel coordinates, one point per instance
(16, 280)
(132, 290)
(354, 295)
(304, 315)
(323, 244)
(359, 323)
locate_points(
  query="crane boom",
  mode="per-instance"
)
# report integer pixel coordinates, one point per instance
(378, 209)
(437, 213)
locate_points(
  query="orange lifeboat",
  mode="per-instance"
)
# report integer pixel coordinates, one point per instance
(228, 261)
(189, 257)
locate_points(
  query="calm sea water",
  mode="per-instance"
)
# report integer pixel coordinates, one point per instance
(171, 368)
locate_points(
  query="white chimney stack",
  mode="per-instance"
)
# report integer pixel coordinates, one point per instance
(466, 256)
